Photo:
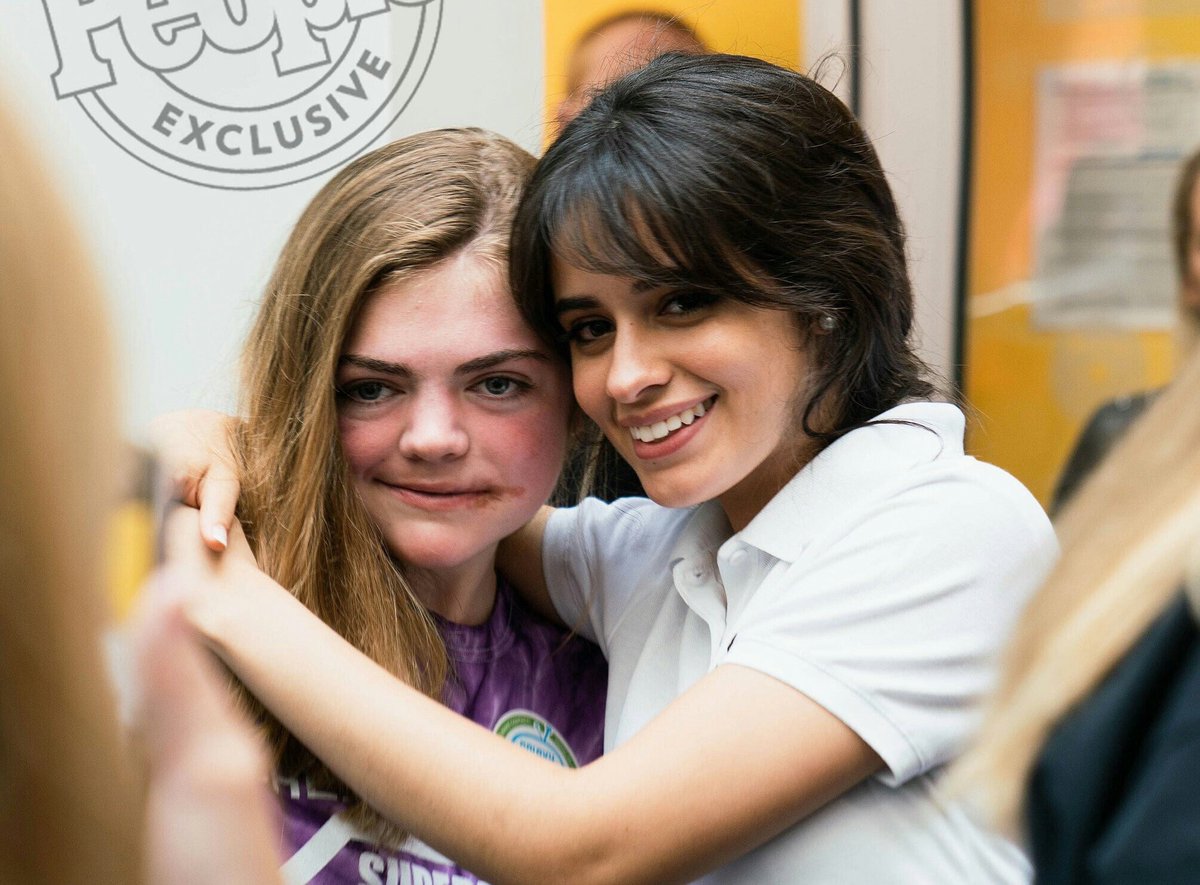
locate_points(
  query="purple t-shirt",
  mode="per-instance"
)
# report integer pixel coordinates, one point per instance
(517, 675)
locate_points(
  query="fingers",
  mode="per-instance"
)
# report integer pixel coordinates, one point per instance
(195, 449)
(218, 495)
(207, 772)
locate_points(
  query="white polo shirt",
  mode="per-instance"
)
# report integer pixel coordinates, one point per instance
(881, 582)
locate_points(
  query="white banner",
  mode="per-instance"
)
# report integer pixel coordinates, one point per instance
(187, 135)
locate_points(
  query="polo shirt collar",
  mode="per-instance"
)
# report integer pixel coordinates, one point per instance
(706, 530)
(848, 470)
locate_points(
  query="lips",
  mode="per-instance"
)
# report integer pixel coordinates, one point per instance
(661, 429)
(437, 490)
(438, 497)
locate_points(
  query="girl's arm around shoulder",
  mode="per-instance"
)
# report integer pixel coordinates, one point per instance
(519, 559)
(682, 798)
(577, 565)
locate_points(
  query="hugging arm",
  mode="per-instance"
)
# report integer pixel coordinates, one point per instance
(680, 798)
(519, 558)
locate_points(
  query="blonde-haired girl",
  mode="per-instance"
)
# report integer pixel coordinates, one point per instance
(1090, 743)
(400, 418)
(79, 805)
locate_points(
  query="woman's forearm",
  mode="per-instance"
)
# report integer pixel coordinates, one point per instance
(666, 807)
(421, 765)
(680, 798)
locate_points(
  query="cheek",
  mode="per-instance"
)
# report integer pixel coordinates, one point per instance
(588, 380)
(529, 450)
(363, 443)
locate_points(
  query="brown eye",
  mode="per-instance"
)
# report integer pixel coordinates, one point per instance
(684, 303)
(589, 330)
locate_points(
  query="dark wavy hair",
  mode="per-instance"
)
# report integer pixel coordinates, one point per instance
(733, 176)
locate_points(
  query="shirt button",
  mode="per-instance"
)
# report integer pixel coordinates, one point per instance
(737, 557)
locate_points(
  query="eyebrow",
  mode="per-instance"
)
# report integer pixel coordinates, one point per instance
(587, 302)
(470, 367)
(373, 365)
(564, 305)
(492, 360)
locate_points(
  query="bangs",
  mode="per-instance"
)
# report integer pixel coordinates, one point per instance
(617, 233)
(651, 217)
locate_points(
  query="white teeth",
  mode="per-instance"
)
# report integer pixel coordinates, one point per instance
(659, 429)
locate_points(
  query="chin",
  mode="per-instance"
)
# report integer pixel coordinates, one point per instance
(433, 553)
(663, 491)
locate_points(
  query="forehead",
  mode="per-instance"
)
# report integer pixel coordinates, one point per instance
(459, 306)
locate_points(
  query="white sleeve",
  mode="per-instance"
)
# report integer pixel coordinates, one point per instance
(893, 621)
(593, 555)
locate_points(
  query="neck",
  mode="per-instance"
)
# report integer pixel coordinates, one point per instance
(744, 501)
(464, 594)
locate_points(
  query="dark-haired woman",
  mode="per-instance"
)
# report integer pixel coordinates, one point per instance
(800, 622)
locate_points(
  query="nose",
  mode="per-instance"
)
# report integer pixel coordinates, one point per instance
(434, 430)
(636, 365)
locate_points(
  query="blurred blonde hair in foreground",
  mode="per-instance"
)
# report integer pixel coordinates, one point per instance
(1131, 538)
(77, 805)
(70, 806)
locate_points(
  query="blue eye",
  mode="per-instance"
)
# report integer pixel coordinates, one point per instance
(503, 386)
(365, 391)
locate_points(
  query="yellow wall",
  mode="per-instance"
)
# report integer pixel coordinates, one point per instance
(768, 29)
(1034, 388)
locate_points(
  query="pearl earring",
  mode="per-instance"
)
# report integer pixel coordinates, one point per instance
(827, 323)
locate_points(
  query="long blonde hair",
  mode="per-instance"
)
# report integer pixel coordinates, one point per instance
(392, 213)
(1129, 540)
(70, 806)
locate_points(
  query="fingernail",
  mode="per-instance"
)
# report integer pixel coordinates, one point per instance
(219, 534)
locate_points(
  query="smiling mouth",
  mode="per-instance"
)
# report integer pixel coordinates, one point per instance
(660, 430)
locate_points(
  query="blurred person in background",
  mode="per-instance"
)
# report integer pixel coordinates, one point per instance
(76, 805)
(1109, 422)
(1091, 743)
(617, 45)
